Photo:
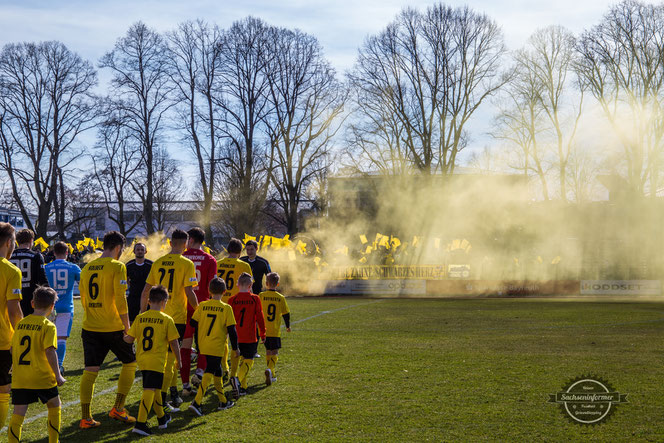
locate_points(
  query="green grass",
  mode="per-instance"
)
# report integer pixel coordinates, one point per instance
(396, 369)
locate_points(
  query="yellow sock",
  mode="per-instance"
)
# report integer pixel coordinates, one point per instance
(125, 381)
(235, 362)
(274, 365)
(15, 426)
(243, 373)
(207, 379)
(4, 408)
(87, 389)
(146, 404)
(175, 377)
(168, 372)
(54, 417)
(158, 405)
(219, 387)
(224, 358)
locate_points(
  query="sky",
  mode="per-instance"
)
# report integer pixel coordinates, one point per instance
(92, 27)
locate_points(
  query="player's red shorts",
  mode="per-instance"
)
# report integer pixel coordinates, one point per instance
(189, 330)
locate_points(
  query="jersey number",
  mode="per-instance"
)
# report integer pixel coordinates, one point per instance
(94, 287)
(60, 278)
(271, 312)
(242, 316)
(148, 333)
(171, 275)
(25, 265)
(228, 280)
(25, 341)
(214, 318)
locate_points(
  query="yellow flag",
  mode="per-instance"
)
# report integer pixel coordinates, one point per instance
(416, 240)
(465, 245)
(342, 250)
(206, 249)
(456, 244)
(317, 261)
(395, 242)
(539, 259)
(384, 241)
(302, 247)
(71, 248)
(556, 260)
(363, 260)
(369, 250)
(363, 239)
(42, 244)
(291, 255)
(247, 237)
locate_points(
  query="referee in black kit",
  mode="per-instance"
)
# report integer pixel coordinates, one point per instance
(259, 266)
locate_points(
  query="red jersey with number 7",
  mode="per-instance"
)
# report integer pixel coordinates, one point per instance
(248, 313)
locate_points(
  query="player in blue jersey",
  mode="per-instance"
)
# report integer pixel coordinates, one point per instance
(62, 276)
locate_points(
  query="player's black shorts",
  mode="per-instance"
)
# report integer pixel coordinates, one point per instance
(181, 327)
(248, 350)
(27, 396)
(272, 343)
(152, 379)
(97, 344)
(5, 367)
(213, 365)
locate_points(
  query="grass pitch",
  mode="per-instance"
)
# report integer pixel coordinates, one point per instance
(411, 370)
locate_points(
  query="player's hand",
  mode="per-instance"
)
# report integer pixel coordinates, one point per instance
(287, 329)
(60, 380)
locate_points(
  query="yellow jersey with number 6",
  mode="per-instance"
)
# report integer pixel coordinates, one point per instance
(229, 269)
(103, 286)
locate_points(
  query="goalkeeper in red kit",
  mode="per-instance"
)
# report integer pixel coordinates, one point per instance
(248, 313)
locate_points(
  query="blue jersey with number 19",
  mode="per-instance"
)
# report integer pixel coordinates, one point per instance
(62, 275)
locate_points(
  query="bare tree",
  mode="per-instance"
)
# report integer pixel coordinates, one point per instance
(168, 185)
(46, 101)
(427, 73)
(117, 161)
(143, 91)
(195, 52)
(241, 93)
(622, 65)
(307, 101)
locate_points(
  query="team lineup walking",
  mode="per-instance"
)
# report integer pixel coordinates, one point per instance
(188, 302)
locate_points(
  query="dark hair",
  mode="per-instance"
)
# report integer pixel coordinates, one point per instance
(253, 243)
(217, 286)
(234, 246)
(43, 297)
(112, 239)
(272, 279)
(140, 243)
(179, 235)
(245, 279)
(24, 236)
(197, 234)
(158, 294)
(60, 248)
(6, 232)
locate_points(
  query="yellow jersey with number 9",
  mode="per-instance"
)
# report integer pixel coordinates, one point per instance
(34, 335)
(229, 269)
(176, 273)
(103, 286)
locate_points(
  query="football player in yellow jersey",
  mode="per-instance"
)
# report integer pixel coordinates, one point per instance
(178, 274)
(274, 307)
(36, 374)
(105, 322)
(229, 269)
(155, 332)
(213, 320)
(10, 312)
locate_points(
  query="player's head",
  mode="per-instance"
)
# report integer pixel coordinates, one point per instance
(179, 241)
(114, 243)
(244, 282)
(61, 250)
(7, 239)
(140, 250)
(196, 238)
(25, 238)
(158, 297)
(234, 247)
(252, 248)
(272, 280)
(43, 298)
(217, 287)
